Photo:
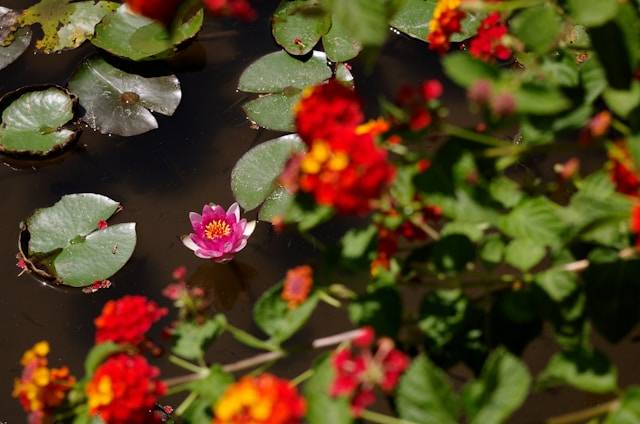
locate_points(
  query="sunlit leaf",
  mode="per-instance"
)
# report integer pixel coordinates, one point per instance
(120, 103)
(12, 44)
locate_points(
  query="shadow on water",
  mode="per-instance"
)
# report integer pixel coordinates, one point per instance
(162, 175)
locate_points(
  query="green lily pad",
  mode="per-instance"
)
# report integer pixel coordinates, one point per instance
(188, 22)
(66, 245)
(120, 103)
(65, 24)
(280, 78)
(338, 43)
(254, 177)
(299, 24)
(33, 123)
(12, 43)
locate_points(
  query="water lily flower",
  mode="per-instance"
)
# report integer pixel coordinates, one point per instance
(218, 234)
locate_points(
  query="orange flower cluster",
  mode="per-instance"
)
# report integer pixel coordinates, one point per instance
(297, 286)
(446, 21)
(124, 389)
(344, 168)
(127, 320)
(623, 171)
(41, 389)
(265, 399)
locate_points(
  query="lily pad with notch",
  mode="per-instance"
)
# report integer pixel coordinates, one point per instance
(37, 121)
(120, 103)
(279, 79)
(13, 41)
(66, 243)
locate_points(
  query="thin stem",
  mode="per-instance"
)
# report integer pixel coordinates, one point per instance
(585, 414)
(620, 127)
(469, 135)
(430, 231)
(583, 264)
(253, 361)
(376, 417)
(186, 365)
(313, 240)
(328, 299)
(186, 403)
(335, 339)
(302, 377)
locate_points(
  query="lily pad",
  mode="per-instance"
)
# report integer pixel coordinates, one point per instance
(254, 179)
(12, 43)
(280, 78)
(65, 24)
(338, 43)
(33, 123)
(66, 244)
(299, 24)
(120, 103)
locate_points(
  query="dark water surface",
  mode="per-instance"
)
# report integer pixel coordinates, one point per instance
(162, 175)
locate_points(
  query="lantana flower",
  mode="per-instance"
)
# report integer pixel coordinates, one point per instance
(218, 234)
(359, 370)
(124, 389)
(41, 389)
(623, 170)
(634, 225)
(489, 43)
(446, 20)
(297, 286)
(127, 319)
(265, 399)
(160, 10)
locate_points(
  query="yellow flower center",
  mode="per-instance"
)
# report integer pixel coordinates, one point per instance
(441, 7)
(101, 393)
(320, 154)
(216, 229)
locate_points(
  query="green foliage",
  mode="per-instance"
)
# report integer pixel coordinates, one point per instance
(380, 308)
(629, 410)
(587, 370)
(538, 27)
(207, 391)
(321, 406)
(192, 339)
(98, 354)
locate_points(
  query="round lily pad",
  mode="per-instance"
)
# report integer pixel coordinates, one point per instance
(12, 44)
(120, 103)
(34, 122)
(299, 24)
(70, 244)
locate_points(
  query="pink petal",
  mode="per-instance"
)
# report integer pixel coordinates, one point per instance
(235, 211)
(249, 229)
(189, 243)
(196, 219)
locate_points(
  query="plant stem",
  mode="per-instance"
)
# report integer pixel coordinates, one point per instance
(583, 264)
(430, 231)
(469, 135)
(502, 7)
(302, 377)
(328, 299)
(585, 414)
(187, 365)
(375, 417)
(182, 408)
(253, 361)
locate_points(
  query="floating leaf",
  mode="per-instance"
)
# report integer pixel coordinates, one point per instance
(276, 205)
(188, 22)
(299, 24)
(66, 244)
(33, 123)
(254, 177)
(338, 43)
(12, 44)
(281, 78)
(120, 103)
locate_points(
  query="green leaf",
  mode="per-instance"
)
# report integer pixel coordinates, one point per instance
(119, 103)
(273, 111)
(97, 355)
(208, 391)
(275, 72)
(367, 21)
(276, 205)
(524, 254)
(413, 18)
(623, 102)
(72, 216)
(425, 396)
(538, 27)
(492, 251)
(12, 44)
(592, 12)
(453, 252)
(557, 283)
(297, 25)
(192, 339)
(254, 177)
(272, 314)
(536, 219)
(506, 191)
(356, 242)
(125, 34)
(100, 255)
(321, 407)
(464, 69)
(33, 122)
(539, 99)
(586, 370)
(629, 410)
(188, 22)
(80, 22)
(501, 388)
(381, 309)
(339, 45)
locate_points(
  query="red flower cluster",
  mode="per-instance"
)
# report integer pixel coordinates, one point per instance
(489, 41)
(501, 104)
(623, 170)
(240, 9)
(127, 320)
(415, 100)
(635, 224)
(160, 10)
(297, 286)
(265, 399)
(359, 371)
(344, 168)
(124, 389)
(446, 21)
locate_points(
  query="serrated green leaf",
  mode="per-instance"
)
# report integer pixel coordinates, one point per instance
(586, 370)
(506, 191)
(192, 339)
(536, 219)
(557, 283)
(356, 241)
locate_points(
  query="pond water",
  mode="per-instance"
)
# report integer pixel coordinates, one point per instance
(162, 175)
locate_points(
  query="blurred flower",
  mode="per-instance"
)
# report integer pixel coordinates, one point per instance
(635, 224)
(160, 10)
(127, 319)
(503, 104)
(480, 92)
(97, 285)
(297, 285)
(240, 9)
(431, 89)
(568, 169)
(622, 169)
(41, 389)
(124, 389)
(218, 235)
(264, 399)
(445, 22)
(597, 127)
(359, 371)
(387, 248)
(489, 41)
(417, 103)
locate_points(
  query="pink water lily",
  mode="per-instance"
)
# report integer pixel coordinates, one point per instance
(218, 234)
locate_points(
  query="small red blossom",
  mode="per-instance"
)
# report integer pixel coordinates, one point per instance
(622, 170)
(180, 273)
(431, 89)
(489, 42)
(446, 21)
(634, 225)
(124, 389)
(127, 319)
(366, 337)
(417, 103)
(420, 120)
(359, 369)
(503, 104)
(160, 10)
(423, 165)
(297, 286)
(240, 9)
